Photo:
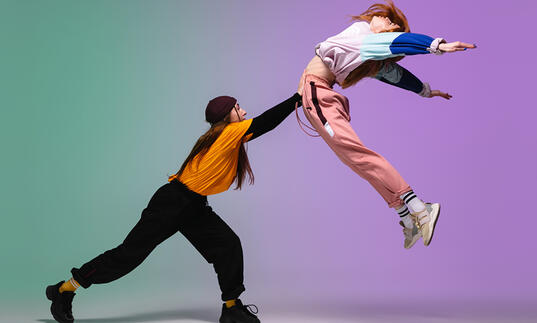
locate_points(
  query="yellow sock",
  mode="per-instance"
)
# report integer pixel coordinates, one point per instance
(69, 286)
(230, 303)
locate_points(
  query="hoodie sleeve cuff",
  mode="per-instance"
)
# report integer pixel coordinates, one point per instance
(435, 44)
(426, 91)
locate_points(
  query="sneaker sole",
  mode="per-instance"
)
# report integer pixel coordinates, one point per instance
(49, 292)
(434, 226)
(414, 242)
(227, 320)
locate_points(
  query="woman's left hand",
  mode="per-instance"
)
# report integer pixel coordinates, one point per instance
(455, 47)
(446, 96)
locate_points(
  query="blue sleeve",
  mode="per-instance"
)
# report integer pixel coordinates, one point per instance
(380, 46)
(411, 44)
(396, 75)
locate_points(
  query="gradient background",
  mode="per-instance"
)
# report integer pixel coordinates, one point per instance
(101, 100)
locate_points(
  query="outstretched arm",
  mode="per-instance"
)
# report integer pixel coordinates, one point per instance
(271, 118)
(396, 75)
(380, 46)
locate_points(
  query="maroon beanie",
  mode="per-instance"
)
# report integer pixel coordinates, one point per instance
(218, 108)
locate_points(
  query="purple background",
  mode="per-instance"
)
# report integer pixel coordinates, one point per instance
(323, 230)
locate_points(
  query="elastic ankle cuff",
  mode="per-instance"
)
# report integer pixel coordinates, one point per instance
(79, 279)
(233, 294)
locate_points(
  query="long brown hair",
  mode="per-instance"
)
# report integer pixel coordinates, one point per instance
(371, 67)
(204, 143)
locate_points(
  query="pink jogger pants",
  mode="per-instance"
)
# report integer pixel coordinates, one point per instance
(328, 113)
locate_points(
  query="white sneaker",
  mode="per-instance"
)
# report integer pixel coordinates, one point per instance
(411, 235)
(426, 221)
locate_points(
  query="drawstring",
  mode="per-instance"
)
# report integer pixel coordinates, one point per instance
(300, 123)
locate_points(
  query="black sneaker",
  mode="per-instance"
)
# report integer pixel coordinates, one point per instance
(239, 313)
(61, 303)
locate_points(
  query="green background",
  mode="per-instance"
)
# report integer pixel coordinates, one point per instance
(101, 100)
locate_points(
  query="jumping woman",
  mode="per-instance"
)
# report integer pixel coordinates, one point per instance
(371, 47)
(217, 160)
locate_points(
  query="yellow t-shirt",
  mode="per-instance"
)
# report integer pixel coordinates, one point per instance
(215, 172)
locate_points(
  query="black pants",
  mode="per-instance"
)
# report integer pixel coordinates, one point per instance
(173, 208)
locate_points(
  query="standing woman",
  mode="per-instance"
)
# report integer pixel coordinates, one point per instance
(216, 161)
(370, 48)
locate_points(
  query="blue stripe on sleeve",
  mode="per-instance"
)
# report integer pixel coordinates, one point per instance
(411, 44)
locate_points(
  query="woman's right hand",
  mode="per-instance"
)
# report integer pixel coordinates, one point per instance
(439, 93)
(455, 47)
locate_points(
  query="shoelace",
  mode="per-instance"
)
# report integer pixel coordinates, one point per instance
(250, 310)
(421, 218)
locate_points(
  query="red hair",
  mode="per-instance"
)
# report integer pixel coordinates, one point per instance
(371, 67)
(388, 10)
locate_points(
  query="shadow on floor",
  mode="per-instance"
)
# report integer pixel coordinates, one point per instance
(202, 315)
